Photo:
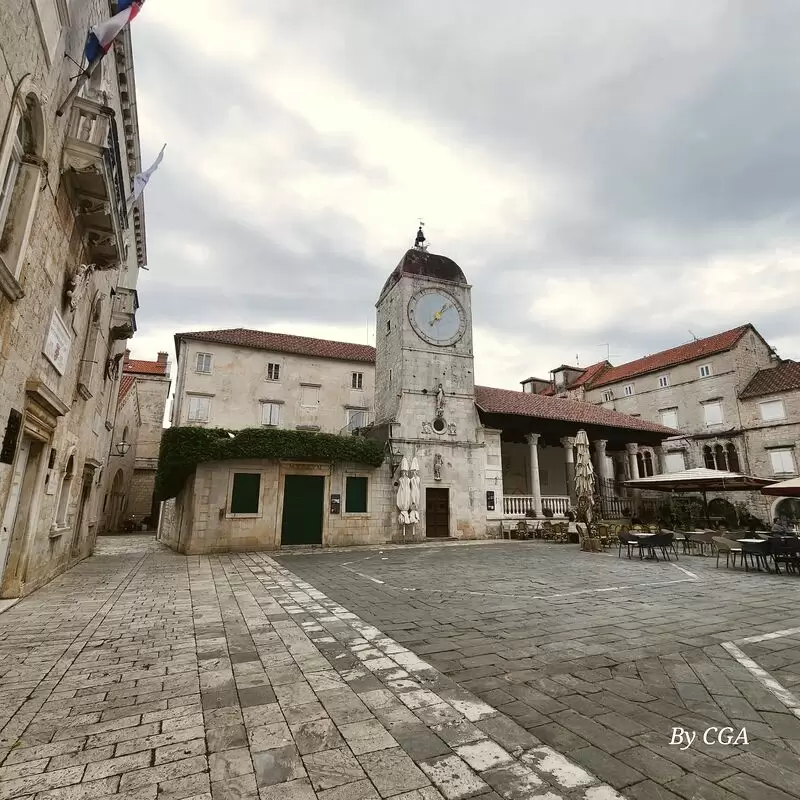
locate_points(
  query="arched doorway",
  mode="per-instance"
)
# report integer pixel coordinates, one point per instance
(788, 507)
(116, 502)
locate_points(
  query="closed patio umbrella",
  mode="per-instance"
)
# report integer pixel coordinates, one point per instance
(584, 479)
(413, 513)
(404, 495)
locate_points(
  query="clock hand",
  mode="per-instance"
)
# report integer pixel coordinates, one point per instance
(438, 315)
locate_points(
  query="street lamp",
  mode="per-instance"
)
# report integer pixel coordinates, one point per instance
(122, 447)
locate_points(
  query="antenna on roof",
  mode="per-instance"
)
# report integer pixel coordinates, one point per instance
(693, 336)
(419, 242)
(577, 359)
(608, 350)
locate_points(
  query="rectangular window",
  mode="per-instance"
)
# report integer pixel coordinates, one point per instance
(675, 462)
(669, 417)
(772, 410)
(782, 461)
(713, 412)
(270, 414)
(199, 408)
(663, 381)
(10, 177)
(50, 15)
(705, 370)
(355, 501)
(356, 418)
(203, 363)
(628, 390)
(357, 381)
(309, 395)
(608, 395)
(245, 491)
(273, 372)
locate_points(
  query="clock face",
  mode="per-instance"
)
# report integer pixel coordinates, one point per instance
(437, 317)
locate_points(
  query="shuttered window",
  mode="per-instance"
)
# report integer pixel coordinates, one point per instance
(244, 493)
(356, 495)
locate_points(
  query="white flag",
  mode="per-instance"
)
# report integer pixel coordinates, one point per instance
(140, 180)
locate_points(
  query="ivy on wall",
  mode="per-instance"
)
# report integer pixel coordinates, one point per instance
(183, 448)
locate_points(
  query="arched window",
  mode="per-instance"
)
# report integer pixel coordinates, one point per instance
(733, 457)
(63, 496)
(720, 457)
(21, 168)
(708, 458)
(648, 464)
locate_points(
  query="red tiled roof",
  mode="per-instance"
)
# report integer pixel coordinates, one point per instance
(591, 373)
(284, 343)
(125, 385)
(505, 401)
(692, 351)
(784, 377)
(145, 367)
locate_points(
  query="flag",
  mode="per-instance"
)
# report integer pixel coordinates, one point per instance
(140, 180)
(102, 35)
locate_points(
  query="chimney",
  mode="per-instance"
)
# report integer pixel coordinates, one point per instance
(162, 358)
(126, 358)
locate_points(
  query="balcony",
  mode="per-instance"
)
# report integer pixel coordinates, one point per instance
(123, 313)
(92, 172)
(516, 505)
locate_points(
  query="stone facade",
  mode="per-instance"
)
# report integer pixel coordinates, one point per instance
(311, 393)
(67, 297)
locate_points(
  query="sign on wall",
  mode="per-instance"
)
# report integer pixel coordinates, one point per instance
(58, 343)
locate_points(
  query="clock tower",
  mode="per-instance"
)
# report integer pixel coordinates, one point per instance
(425, 390)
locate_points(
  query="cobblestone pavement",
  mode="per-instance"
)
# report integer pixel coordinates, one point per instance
(142, 674)
(600, 657)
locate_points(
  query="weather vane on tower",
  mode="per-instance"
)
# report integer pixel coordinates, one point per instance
(419, 242)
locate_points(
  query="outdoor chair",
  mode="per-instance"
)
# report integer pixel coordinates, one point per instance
(664, 542)
(561, 531)
(757, 552)
(683, 538)
(627, 541)
(605, 535)
(547, 530)
(703, 540)
(522, 531)
(731, 549)
(786, 550)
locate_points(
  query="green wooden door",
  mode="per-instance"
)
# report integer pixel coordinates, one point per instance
(303, 504)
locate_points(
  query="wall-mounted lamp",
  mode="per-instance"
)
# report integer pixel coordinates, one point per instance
(122, 447)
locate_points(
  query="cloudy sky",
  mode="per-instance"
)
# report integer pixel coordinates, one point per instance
(612, 177)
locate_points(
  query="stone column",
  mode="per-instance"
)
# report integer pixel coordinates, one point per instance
(600, 454)
(533, 471)
(633, 449)
(568, 443)
(660, 465)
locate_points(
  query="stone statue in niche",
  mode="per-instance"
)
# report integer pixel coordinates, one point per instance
(451, 429)
(426, 427)
(439, 401)
(438, 462)
(77, 284)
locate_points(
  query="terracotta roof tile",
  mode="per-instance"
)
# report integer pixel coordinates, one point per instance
(505, 401)
(592, 373)
(682, 354)
(784, 377)
(145, 367)
(125, 385)
(285, 343)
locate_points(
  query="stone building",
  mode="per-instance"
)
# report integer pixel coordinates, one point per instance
(70, 252)
(133, 458)
(716, 391)
(485, 455)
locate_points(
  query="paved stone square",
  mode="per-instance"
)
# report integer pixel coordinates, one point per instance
(514, 669)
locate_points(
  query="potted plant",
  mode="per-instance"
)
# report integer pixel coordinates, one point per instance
(548, 512)
(531, 513)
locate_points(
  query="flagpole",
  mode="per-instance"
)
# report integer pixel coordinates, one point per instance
(79, 82)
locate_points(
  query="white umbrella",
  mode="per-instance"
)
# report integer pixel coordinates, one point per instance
(584, 479)
(404, 494)
(414, 498)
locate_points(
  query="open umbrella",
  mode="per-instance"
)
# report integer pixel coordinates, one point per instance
(414, 493)
(790, 488)
(404, 495)
(584, 479)
(703, 480)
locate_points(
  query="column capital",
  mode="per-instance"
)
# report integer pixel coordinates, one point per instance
(600, 445)
(532, 438)
(568, 441)
(632, 448)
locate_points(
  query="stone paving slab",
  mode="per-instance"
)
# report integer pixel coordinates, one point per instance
(145, 674)
(597, 656)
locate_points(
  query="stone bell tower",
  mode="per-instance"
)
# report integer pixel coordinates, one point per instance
(425, 389)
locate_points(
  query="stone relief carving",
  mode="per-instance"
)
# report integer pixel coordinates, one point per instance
(451, 429)
(78, 284)
(426, 427)
(438, 462)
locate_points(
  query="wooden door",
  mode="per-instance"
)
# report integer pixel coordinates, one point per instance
(303, 506)
(437, 513)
